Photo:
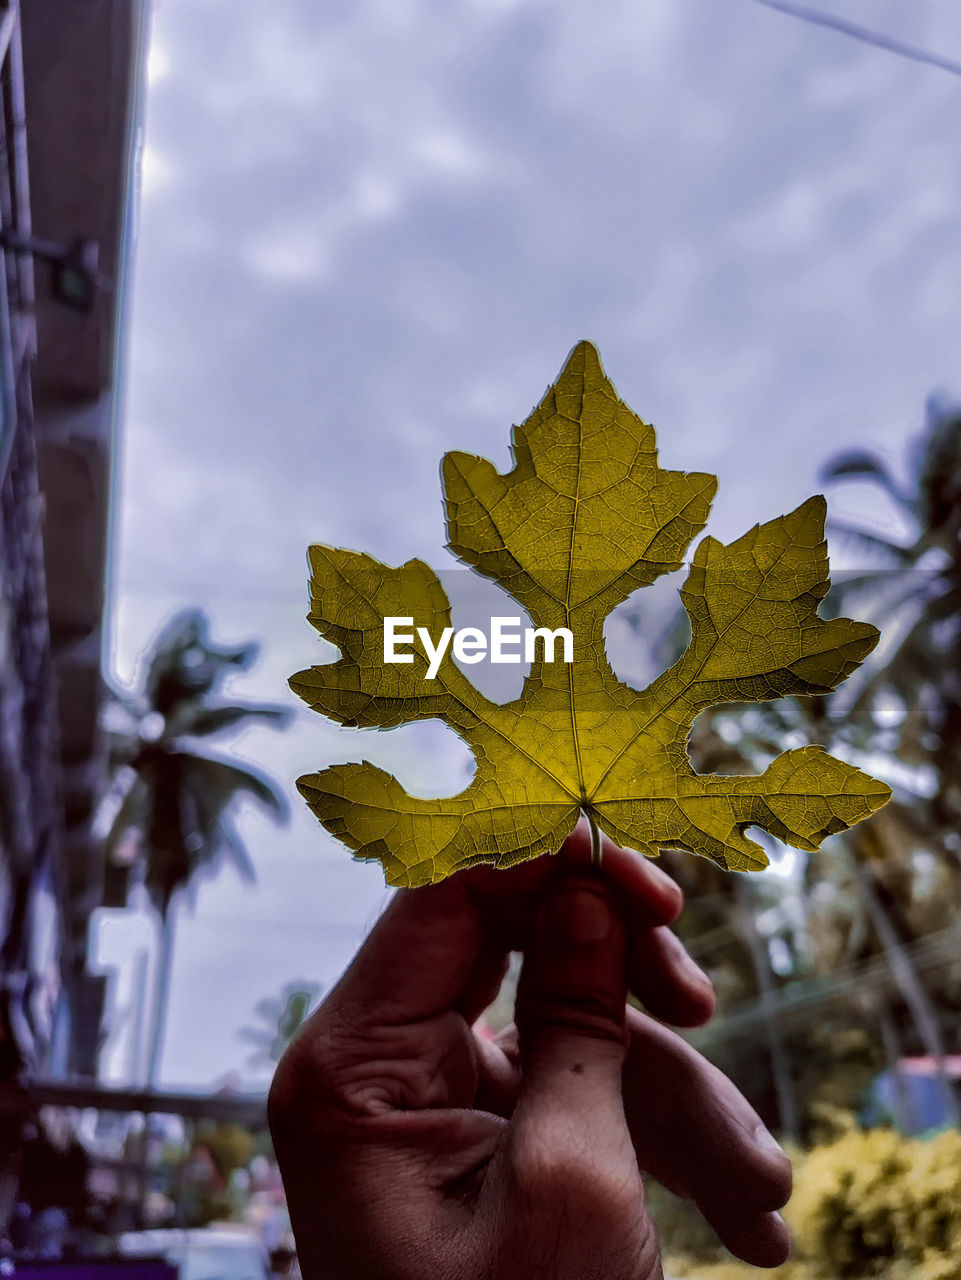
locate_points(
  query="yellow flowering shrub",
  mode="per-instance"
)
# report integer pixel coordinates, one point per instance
(872, 1205)
(875, 1198)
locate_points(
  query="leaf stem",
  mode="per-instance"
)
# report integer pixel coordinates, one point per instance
(595, 838)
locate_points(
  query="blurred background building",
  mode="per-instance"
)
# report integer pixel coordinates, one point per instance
(68, 122)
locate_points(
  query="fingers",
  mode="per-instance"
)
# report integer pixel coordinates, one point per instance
(435, 959)
(418, 960)
(498, 1076)
(507, 900)
(387, 1038)
(690, 1127)
(695, 1132)
(659, 970)
(570, 1008)
(485, 981)
(660, 973)
(666, 980)
(570, 1189)
(646, 894)
(444, 945)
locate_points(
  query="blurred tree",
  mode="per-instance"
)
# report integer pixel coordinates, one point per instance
(849, 916)
(908, 860)
(720, 923)
(282, 1017)
(881, 896)
(912, 689)
(172, 798)
(230, 1146)
(898, 877)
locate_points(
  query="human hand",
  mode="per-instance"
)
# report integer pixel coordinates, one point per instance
(413, 1150)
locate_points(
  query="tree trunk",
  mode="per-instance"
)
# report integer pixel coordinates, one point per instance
(767, 991)
(901, 1098)
(911, 988)
(161, 996)
(160, 1001)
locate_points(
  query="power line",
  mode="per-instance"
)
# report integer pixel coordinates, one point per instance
(877, 38)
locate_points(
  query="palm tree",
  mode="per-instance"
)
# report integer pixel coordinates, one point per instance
(863, 915)
(281, 1017)
(172, 797)
(909, 699)
(914, 589)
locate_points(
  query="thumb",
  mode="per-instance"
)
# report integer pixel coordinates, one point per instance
(573, 1193)
(571, 998)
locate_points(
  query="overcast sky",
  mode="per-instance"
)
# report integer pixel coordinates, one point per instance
(371, 231)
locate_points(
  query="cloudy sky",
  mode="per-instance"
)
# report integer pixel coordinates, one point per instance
(371, 231)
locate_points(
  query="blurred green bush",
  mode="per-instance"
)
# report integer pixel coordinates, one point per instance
(870, 1204)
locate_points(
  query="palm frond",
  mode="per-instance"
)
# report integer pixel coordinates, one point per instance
(175, 637)
(894, 593)
(861, 464)
(867, 584)
(283, 1016)
(259, 1036)
(186, 665)
(228, 780)
(237, 850)
(125, 807)
(202, 720)
(939, 466)
(875, 543)
(912, 662)
(129, 700)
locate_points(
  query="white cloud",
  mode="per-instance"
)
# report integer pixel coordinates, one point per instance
(156, 171)
(288, 256)
(158, 63)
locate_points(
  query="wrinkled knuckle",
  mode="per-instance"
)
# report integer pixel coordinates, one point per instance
(539, 1171)
(559, 1175)
(588, 1014)
(285, 1095)
(302, 1078)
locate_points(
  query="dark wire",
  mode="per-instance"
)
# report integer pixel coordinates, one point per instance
(864, 34)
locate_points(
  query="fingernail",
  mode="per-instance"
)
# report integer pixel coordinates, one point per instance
(579, 915)
(765, 1141)
(665, 882)
(697, 974)
(687, 964)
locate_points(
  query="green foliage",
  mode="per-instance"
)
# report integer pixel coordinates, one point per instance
(173, 797)
(865, 936)
(231, 1146)
(876, 1197)
(585, 518)
(281, 1017)
(871, 1204)
(914, 588)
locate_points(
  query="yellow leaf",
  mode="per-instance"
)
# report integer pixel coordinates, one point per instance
(586, 517)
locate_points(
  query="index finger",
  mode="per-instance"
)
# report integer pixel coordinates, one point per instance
(423, 951)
